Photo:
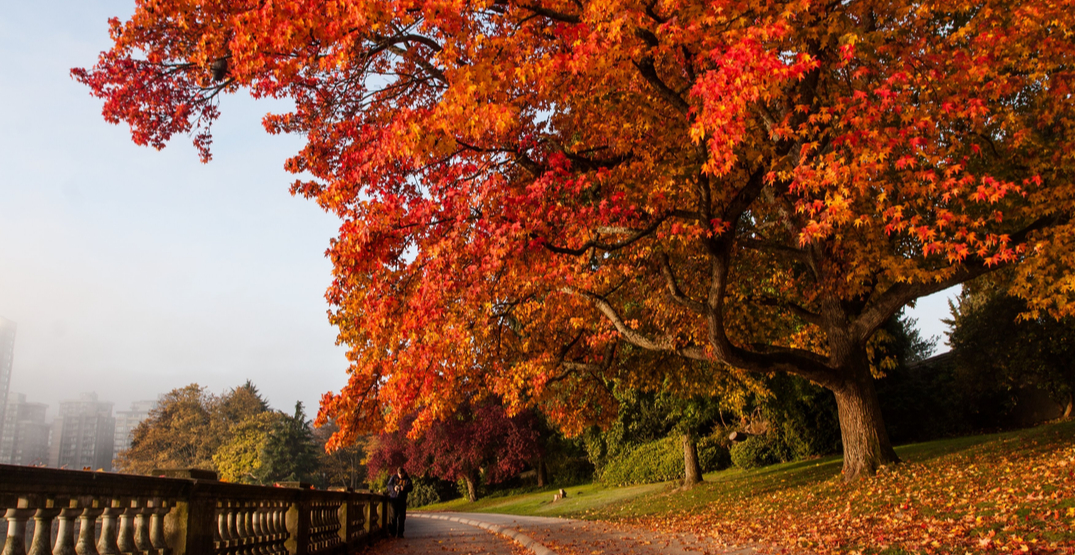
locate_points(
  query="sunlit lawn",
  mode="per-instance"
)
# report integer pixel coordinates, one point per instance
(1013, 491)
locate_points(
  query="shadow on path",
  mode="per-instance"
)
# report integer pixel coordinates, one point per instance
(561, 536)
(426, 536)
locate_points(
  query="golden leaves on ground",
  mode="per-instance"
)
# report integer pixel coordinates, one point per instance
(1014, 495)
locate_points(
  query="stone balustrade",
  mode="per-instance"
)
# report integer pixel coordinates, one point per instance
(68, 512)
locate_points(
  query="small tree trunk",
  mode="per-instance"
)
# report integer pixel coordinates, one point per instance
(542, 473)
(472, 486)
(692, 470)
(1068, 408)
(865, 439)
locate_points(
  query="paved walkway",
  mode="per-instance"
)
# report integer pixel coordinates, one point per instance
(428, 536)
(494, 534)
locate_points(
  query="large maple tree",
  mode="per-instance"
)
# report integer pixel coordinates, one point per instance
(534, 190)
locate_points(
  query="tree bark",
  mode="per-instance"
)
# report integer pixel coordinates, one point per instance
(472, 486)
(692, 470)
(862, 430)
(542, 473)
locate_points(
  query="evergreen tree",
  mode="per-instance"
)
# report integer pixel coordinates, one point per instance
(290, 453)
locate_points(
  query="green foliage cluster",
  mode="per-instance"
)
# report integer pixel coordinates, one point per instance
(656, 461)
(289, 454)
(802, 418)
(235, 434)
(240, 459)
(1004, 351)
(994, 378)
(189, 427)
(424, 493)
(760, 450)
(662, 460)
(713, 452)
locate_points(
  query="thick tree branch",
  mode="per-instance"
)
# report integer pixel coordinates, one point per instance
(551, 14)
(886, 304)
(803, 313)
(608, 247)
(648, 71)
(756, 244)
(633, 336)
(674, 291)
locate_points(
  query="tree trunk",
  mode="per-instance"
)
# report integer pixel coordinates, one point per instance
(692, 470)
(1068, 408)
(542, 473)
(865, 439)
(472, 486)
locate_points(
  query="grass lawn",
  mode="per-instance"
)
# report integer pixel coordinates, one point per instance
(1012, 491)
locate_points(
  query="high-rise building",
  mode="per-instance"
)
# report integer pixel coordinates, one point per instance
(7, 355)
(24, 436)
(127, 421)
(86, 434)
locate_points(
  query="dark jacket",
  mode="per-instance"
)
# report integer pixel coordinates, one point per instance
(394, 491)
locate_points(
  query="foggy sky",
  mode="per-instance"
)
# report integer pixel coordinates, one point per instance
(131, 272)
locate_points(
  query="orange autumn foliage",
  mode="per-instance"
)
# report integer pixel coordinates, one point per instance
(531, 191)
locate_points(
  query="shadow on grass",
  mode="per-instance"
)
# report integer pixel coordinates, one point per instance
(596, 501)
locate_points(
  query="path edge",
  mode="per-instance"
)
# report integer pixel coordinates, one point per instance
(518, 537)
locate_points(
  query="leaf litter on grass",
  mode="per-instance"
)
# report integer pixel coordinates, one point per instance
(1014, 495)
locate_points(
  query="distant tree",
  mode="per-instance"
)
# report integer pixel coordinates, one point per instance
(1001, 345)
(178, 433)
(241, 458)
(191, 428)
(238, 405)
(290, 453)
(898, 343)
(343, 467)
(477, 443)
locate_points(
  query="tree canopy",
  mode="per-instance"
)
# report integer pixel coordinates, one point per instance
(289, 453)
(478, 443)
(530, 190)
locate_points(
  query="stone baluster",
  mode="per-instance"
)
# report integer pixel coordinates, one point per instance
(247, 520)
(65, 531)
(241, 536)
(279, 526)
(15, 544)
(42, 543)
(221, 528)
(125, 541)
(87, 524)
(108, 544)
(141, 526)
(230, 521)
(315, 527)
(260, 537)
(156, 529)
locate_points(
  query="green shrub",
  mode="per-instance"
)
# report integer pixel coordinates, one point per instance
(759, 451)
(424, 493)
(713, 453)
(656, 461)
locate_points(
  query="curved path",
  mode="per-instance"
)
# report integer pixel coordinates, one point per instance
(496, 534)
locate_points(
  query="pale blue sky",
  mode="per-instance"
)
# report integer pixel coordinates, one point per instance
(130, 271)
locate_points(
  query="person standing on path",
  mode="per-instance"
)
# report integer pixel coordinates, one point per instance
(399, 485)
